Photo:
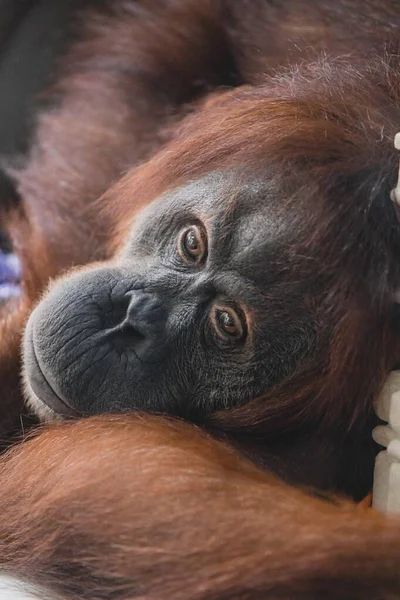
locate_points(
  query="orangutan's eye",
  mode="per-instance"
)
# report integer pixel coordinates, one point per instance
(229, 323)
(193, 245)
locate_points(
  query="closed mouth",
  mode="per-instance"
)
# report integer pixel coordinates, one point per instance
(41, 387)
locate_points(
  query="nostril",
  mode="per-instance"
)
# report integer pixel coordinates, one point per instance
(118, 324)
(120, 330)
(115, 317)
(134, 319)
(125, 336)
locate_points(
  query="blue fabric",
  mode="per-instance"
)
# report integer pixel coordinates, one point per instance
(10, 276)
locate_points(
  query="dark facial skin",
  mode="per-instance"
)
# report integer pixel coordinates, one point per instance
(193, 316)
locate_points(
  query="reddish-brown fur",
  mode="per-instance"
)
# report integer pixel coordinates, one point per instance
(139, 69)
(124, 508)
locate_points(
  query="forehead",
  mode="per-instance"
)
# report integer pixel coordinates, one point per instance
(251, 225)
(233, 205)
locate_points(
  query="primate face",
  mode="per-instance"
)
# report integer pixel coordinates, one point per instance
(200, 311)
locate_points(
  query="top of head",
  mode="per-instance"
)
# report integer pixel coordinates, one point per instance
(269, 251)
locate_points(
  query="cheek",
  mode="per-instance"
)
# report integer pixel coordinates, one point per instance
(221, 381)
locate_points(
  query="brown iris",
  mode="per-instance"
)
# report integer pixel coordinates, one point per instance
(193, 245)
(228, 323)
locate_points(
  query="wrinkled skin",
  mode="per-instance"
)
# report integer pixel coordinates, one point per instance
(144, 333)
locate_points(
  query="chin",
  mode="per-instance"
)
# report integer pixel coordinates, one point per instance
(35, 405)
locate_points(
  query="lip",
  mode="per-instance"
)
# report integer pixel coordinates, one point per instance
(39, 384)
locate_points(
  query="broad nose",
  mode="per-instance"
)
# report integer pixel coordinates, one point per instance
(138, 313)
(146, 313)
